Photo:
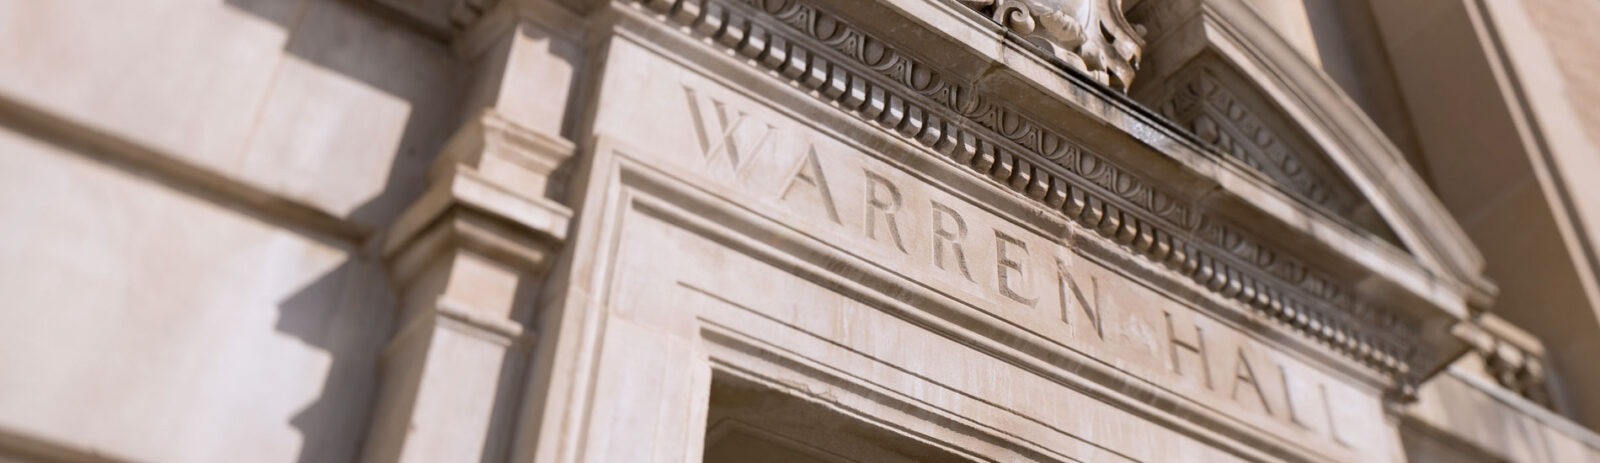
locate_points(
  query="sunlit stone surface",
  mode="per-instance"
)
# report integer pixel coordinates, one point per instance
(797, 231)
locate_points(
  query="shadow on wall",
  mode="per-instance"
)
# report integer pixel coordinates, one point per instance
(335, 48)
(345, 312)
(359, 94)
(348, 313)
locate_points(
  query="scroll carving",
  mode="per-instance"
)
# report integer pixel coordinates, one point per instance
(1089, 35)
(1518, 371)
(1511, 357)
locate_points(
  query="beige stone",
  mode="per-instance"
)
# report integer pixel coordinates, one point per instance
(792, 230)
(162, 317)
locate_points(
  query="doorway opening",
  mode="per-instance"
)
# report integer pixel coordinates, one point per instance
(750, 422)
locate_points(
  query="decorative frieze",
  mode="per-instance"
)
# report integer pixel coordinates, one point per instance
(1091, 36)
(872, 80)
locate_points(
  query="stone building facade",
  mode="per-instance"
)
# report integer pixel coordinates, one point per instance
(799, 230)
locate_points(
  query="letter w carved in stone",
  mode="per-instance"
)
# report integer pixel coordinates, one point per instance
(718, 128)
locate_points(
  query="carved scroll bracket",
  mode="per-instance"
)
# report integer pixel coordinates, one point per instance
(1090, 35)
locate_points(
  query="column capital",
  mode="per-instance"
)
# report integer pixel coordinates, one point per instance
(490, 189)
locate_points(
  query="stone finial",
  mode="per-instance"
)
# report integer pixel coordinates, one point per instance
(1090, 35)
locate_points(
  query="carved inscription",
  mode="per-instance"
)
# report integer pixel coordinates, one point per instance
(1197, 347)
(1243, 373)
(808, 172)
(944, 237)
(1090, 305)
(717, 127)
(883, 206)
(1009, 270)
(935, 237)
(844, 66)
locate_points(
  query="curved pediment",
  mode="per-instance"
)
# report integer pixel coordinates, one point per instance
(1218, 69)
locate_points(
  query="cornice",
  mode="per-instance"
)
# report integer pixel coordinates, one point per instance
(872, 80)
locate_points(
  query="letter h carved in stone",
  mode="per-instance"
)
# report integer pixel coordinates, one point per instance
(1197, 348)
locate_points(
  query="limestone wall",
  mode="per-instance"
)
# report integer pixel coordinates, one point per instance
(188, 189)
(1458, 414)
(314, 100)
(201, 208)
(141, 316)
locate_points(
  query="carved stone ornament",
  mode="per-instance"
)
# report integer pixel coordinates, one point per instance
(1221, 108)
(1511, 357)
(868, 77)
(1089, 35)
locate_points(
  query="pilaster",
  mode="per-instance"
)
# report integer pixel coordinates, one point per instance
(467, 260)
(470, 257)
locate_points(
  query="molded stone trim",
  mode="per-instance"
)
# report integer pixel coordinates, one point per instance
(1182, 30)
(869, 78)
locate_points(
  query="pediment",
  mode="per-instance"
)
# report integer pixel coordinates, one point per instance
(1225, 110)
(1220, 71)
